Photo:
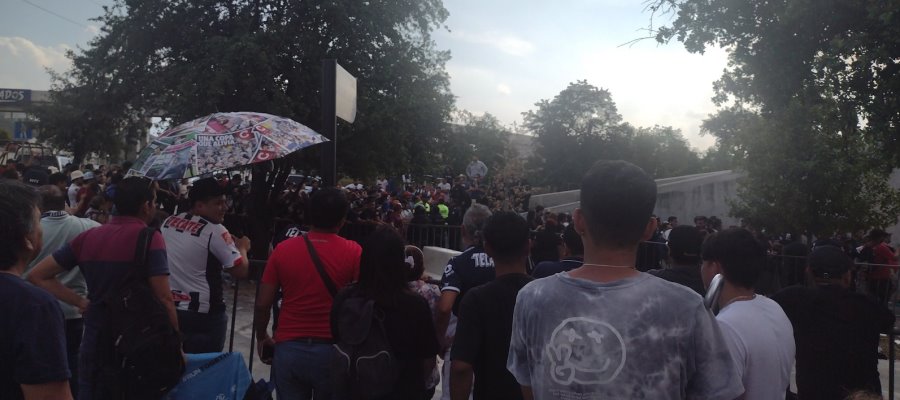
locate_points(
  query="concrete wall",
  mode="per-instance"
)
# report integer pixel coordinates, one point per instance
(684, 197)
(688, 196)
(702, 194)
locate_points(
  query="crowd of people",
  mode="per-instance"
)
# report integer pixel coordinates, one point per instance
(548, 306)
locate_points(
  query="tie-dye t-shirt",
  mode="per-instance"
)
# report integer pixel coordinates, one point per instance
(636, 338)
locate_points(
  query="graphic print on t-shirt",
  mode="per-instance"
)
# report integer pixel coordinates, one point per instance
(198, 252)
(585, 351)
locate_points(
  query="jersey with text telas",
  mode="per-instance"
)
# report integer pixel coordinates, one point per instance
(198, 251)
(471, 268)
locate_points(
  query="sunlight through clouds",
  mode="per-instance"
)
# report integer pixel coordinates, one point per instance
(24, 63)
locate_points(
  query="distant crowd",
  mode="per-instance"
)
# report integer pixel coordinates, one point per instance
(545, 307)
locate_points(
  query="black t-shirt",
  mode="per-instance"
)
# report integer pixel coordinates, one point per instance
(483, 333)
(32, 342)
(836, 332)
(410, 332)
(684, 275)
(550, 268)
(471, 268)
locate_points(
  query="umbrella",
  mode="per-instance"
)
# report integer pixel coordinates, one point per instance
(221, 141)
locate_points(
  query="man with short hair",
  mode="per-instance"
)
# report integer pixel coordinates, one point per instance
(200, 248)
(756, 330)
(303, 345)
(836, 331)
(481, 345)
(573, 256)
(105, 256)
(684, 253)
(607, 331)
(59, 180)
(32, 343)
(473, 267)
(58, 229)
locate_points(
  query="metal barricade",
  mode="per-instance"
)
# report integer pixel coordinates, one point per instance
(446, 236)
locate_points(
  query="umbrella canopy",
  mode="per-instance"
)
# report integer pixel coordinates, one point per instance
(221, 141)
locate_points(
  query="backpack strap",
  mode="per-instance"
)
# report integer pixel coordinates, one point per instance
(332, 289)
(141, 249)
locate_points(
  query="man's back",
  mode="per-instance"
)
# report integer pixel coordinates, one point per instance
(836, 332)
(60, 228)
(760, 338)
(197, 251)
(471, 268)
(574, 338)
(483, 332)
(32, 345)
(306, 305)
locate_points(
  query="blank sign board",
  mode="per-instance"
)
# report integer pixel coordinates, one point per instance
(345, 99)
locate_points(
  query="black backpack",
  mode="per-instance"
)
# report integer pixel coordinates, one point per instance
(365, 363)
(139, 350)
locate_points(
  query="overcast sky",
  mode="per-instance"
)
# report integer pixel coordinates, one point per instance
(507, 55)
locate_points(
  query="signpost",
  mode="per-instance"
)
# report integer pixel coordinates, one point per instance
(338, 100)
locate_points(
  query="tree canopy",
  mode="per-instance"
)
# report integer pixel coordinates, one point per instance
(581, 125)
(810, 105)
(185, 59)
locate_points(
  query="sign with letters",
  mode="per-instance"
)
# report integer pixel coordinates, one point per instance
(15, 96)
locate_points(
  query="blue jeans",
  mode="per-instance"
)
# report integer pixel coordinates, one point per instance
(201, 332)
(302, 371)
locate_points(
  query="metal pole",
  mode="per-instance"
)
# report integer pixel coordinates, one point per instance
(234, 314)
(891, 351)
(256, 266)
(328, 128)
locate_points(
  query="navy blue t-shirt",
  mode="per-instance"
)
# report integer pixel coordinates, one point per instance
(471, 268)
(550, 268)
(32, 340)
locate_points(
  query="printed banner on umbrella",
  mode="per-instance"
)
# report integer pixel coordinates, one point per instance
(219, 142)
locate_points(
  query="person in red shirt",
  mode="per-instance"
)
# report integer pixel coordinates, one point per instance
(301, 349)
(880, 283)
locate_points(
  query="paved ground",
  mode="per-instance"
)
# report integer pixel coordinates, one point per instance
(243, 328)
(261, 371)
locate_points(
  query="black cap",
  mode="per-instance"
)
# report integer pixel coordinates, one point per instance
(204, 189)
(685, 242)
(829, 262)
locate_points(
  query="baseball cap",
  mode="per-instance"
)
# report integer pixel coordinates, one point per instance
(88, 175)
(76, 174)
(204, 189)
(829, 262)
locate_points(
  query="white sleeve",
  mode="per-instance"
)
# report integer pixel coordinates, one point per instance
(222, 246)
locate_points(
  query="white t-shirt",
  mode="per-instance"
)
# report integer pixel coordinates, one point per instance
(761, 340)
(198, 251)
